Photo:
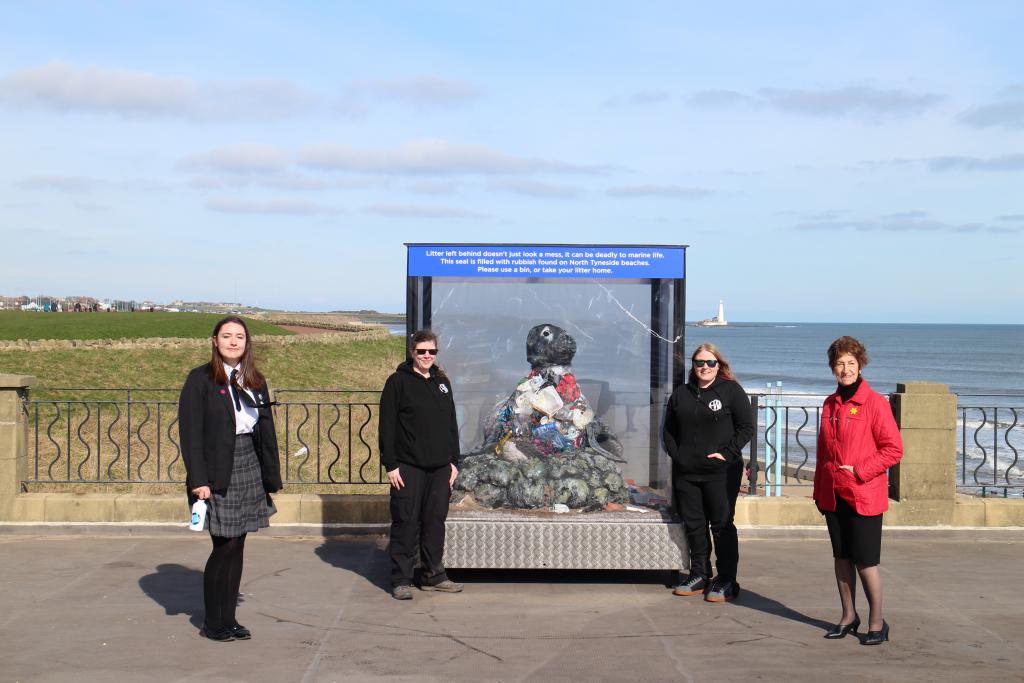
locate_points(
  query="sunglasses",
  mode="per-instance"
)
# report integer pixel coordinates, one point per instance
(423, 352)
(700, 362)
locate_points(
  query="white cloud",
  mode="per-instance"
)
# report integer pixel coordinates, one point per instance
(286, 180)
(433, 187)
(421, 211)
(531, 188)
(419, 91)
(289, 207)
(854, 101)
(666, 191)
(643, 98)
(238, 159)
(904, 221)
(70, 184)
(849, 101)
(1006, 162)
(1006, 112)
(67, 87)
(433, 157)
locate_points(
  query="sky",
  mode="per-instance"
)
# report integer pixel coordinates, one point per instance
(855, 162)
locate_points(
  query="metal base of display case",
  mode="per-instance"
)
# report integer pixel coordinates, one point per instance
(502, 539)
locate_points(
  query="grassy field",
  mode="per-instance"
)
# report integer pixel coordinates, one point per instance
(33, 326)
(341, 365)
(82, 432)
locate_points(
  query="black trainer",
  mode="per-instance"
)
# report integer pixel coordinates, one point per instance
(722, 591)
(691, 585)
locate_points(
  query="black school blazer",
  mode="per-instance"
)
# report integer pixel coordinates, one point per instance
(206, 427)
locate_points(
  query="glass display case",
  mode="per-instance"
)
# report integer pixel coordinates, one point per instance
(562, 358)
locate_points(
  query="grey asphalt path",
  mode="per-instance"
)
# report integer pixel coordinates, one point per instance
(103, 607)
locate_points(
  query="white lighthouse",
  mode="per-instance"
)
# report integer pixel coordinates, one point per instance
(717, 321)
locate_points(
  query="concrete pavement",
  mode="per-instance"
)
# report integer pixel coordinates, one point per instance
(103, 606)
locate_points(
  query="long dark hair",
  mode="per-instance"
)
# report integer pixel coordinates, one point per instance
(418, 337)
(251, 377)
(724, 371)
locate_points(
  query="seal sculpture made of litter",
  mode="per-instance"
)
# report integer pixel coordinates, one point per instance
(543, 444)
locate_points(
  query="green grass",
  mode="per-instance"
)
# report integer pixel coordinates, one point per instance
(363, 364)
(139, 325)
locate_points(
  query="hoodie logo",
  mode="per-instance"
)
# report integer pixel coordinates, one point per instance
(715, 405)
(443, 388)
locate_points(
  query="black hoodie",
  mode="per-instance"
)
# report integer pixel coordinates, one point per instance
(717, 419)
(417, 420)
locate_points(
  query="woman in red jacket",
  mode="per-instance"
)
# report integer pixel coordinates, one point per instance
(857, 443)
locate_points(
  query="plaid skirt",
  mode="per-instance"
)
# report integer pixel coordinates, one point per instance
(245, 505)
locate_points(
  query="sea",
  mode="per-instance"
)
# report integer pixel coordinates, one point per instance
(973, 360)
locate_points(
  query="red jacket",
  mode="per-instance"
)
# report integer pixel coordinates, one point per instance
(862, 433)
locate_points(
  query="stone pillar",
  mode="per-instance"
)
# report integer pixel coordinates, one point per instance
(925, 481)
(13, 438)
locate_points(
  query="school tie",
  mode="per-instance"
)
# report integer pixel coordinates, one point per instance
(235, 390)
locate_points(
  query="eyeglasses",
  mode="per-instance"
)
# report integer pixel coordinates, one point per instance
(700, 362)
(423, 352)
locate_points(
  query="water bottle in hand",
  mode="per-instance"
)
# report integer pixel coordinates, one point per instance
(198, 515)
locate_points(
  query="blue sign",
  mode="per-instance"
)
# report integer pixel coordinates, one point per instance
(546, 261)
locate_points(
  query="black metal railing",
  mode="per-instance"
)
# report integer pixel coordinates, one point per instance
(327, 439)
(989, 461)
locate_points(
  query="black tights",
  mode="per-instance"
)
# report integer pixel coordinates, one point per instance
(221, 580)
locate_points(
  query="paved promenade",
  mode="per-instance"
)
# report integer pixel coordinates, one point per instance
(109, 606)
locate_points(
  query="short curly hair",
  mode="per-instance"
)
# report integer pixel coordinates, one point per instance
(848, 345)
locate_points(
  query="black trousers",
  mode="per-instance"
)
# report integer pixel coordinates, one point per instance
(418, 513)
(707, 510)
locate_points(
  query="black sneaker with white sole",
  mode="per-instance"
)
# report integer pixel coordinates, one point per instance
(691, 585)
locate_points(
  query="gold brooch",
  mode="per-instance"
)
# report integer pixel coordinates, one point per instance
(853, 411)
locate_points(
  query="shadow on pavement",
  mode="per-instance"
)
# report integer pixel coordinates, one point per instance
(338, 553)
(375, 569)
(756, 601)
(178, 589)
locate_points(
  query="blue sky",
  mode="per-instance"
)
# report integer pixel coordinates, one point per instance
(825, 162)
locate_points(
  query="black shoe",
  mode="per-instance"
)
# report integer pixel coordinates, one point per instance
(840, 631)
(877, 637)
(240, 632)
(691, 585)
(722, 591)
(220, 635)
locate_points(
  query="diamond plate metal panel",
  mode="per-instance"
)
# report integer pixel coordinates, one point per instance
(506, 540)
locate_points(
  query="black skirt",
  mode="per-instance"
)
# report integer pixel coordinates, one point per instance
(245, 505)
(854, 537)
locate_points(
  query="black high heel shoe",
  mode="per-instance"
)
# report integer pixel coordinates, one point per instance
(877, 637)
(839, 631)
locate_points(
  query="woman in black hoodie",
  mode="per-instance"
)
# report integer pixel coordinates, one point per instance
(419, 448)
(708, 422)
